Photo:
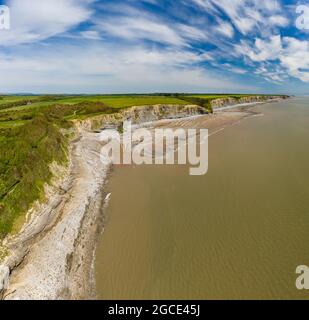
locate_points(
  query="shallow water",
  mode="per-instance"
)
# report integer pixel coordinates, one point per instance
(238, 232)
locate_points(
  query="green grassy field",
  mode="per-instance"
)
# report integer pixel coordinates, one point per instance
(31, 139)
(12, 103)
(12, 99)
(218, 96)
(124, 101)
(9, 124)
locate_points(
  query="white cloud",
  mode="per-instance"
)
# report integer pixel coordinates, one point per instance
(263, 49)
(279, 21)
(91, 34)
(292, 56)
(248, 15)
(235, 69)
(134, 25)
(138, 28)
(295, 58)
(192, 33)
(126, 59)
(104, 69)
(225, 29)
(272, 73)
(163, 57)
(36, 20)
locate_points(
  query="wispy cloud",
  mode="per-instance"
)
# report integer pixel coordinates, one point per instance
(248, 15)
(131, 28)
(102, 69)
(292, 56)
(36, 20)
(152, 45)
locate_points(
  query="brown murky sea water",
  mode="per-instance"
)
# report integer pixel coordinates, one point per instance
(238, 232)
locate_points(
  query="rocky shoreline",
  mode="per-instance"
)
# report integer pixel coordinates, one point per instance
(52, 256)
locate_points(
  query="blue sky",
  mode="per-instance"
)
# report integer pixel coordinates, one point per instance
(113, 46)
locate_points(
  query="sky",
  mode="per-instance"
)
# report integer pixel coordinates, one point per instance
(148, 46)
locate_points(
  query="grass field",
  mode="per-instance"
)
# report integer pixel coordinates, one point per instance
(12, 99)
(218, 96)
(124, 101)
(17, 103)
(9, 124)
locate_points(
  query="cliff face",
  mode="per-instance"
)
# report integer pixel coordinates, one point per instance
(141, 114)
(220, 103)
(144, 114)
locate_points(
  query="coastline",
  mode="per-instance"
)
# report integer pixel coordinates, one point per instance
(60, 252)
(62, 249)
